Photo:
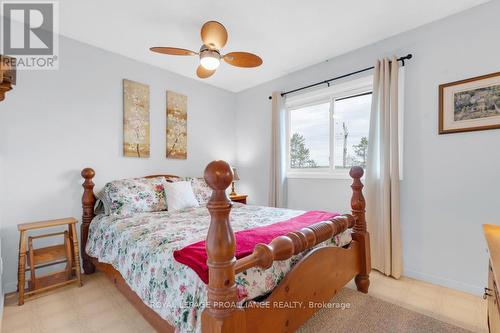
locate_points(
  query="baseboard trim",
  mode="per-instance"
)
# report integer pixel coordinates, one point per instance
(448, 283)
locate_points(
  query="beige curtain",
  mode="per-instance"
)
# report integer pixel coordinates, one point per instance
(277, 190)
(382, 172)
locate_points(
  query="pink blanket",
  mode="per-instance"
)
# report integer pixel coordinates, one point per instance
(195, 255)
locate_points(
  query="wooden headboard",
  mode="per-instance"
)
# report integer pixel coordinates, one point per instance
(88, 203)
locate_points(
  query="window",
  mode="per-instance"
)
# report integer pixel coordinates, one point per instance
(310, 136)
(351, 119)
(327, 130)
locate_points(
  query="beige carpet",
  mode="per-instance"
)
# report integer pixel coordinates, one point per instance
(369, 314)
(99, 307)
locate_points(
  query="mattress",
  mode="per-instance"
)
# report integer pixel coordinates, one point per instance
(141, 248)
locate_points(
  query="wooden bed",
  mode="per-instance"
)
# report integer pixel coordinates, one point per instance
(315, 278)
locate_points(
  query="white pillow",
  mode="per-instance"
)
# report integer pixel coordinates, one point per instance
(180, 195)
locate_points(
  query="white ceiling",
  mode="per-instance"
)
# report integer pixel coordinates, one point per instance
(288, 34)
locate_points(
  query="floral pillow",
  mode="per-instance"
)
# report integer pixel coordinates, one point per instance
(201, 190)
(125, 197)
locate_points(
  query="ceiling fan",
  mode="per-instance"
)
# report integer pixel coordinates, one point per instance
(214, 37)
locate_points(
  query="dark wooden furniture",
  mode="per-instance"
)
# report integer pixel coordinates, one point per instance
(315, 278)
(241, 198)
(48, 256)
(7, 74)
(492, 234)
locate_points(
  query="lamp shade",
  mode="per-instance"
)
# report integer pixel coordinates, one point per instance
(236, 177)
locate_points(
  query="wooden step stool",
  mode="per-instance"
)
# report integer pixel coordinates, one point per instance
(48, 256)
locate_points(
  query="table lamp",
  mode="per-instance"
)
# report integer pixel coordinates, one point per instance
(236, 177)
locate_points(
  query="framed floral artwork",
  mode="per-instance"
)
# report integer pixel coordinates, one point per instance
(135, 119)
(176, 126)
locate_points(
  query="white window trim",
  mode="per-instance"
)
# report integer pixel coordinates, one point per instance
(337, 91)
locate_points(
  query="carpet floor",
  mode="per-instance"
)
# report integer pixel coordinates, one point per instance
(352, 311)
(99, 307)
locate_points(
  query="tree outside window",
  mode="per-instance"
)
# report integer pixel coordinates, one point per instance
(299, 154)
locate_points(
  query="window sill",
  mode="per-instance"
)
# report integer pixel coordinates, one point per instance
(318, 175)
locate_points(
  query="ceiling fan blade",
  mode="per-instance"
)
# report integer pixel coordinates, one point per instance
(204, 73)
(173, 51)
(243, 59)
(214, 35)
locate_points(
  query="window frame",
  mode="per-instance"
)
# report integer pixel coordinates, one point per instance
(330, 94)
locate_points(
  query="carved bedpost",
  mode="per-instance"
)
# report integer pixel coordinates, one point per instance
(360, 232)
(221, 314)
(88, 202)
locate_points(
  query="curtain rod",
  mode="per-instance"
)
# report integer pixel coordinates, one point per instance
(402, 59)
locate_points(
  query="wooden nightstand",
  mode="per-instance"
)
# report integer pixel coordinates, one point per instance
(241, 198)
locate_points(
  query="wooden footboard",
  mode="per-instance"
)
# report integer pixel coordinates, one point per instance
(306, 289)
(314, 280)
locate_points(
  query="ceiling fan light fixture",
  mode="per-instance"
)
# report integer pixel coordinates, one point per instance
(210, 59)
(214, 38)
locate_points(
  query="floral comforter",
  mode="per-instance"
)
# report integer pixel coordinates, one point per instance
(141, 248)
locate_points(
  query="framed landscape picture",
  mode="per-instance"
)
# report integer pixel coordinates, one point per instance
(470, 105)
